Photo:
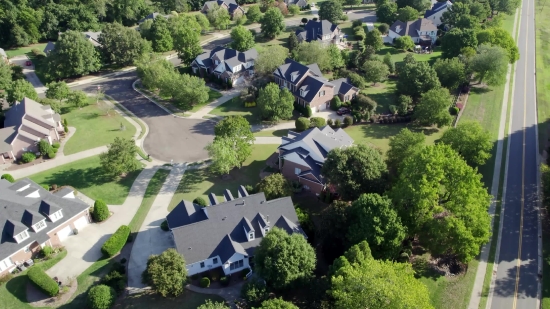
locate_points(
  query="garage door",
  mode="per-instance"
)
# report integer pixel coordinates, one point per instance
(64, 232)
(81, 223)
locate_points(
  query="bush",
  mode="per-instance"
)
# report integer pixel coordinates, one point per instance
(344, 17)
(383, 28)
(317, 122)
(8, 177)
(205, 282)
(224, 281)
(337, 123)
(164, 225)
(357, 23)
(254, 292)
(65, 128)
(56, 145)
(348, 121)
(115, 243)
(46, 251)
(118, 267)
(330, 122)
(250, 189)
(44, 147)
(116, 280)
(335, 103)
(101, 297)
(454, 110)
(200, 201)
(28, 157)
(46, 187)
(51, 154)
(101, 211)
(309, 112)
(393, 109)
(249, 104)
(55, 150)
(42, 281)
(302, 124)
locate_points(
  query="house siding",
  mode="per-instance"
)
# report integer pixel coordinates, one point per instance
(236, 257)
(54, 239)
(349, 94)
(209, 264)
(319, 103)
(288, 169)
(313, 187)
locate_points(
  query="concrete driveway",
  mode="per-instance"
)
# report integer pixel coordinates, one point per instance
(30, 75)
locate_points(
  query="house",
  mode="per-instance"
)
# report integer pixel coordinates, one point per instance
(49, 48)
(91, 36)
(226, 63)
(322, 31)
(4, 56)
(226, 234)
(230, 5)
(300, 3)
(301, 155)
(31, 218)
(436, 12)
(152, 16)
(422, 31)
(27, 122)
(344, 89)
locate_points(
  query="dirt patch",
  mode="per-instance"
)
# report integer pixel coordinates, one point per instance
(36, 298)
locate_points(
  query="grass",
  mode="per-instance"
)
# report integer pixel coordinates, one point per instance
(177, 107)
(131, 115)
(201, 182)
(282, 39)
(13, 294)
(383, 94)
(235, 106)
(87, 176)
(24, 50)
(94, 128)
(153, 188)
(212, 95)
(398, 55)
(188, 300)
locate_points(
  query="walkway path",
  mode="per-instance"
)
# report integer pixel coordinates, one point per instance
(85, 248)
(151, 239)
(227, 95)
(268, 140)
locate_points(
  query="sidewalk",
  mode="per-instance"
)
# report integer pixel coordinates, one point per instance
(151, 239)
(85, 248)
(261, 140)
(208, 108)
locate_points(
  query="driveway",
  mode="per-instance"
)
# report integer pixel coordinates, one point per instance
(30, 75)
(169, 138)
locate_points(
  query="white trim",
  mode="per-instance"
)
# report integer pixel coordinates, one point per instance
(21, 234)
(38, 228)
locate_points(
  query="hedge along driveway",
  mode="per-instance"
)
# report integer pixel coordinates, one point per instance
(114, 244)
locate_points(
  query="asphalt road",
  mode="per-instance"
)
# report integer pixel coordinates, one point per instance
(516, 283)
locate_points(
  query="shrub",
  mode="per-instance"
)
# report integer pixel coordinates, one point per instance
(115, 243)
(56, 145)
(454, 110)
(46, 251)
(317, 122)
(357, 23)
(344, 17)
(302, 124)
(250, 189)
(46, 187)
(254, 292)
(51, 154)
(164, 225)
(28, 157)
(65, 122)
(337, 123)
(42, 281)
(7, 277)
(8, 177)
(335, 103)
(393, 109)
(330, 122)
(383, 28)
(101, 211)
(224, 281)
(200, 201)
(44, 147)
(65, 128)
(348, 121)
(250, 104)
(205, 282)
(55, 150)
(101, 297)
(116, 280)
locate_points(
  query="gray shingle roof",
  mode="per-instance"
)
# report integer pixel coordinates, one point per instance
(342, 85)
(411, 28)
(438, 6)
(18, 212)
(229, 57)
(6, 137)
(316, 29)
(220, 231)
(49, 47)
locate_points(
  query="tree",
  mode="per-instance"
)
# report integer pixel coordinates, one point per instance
(388, 62)
(101, 297)
(240, 19)
(453, 15)
(456, 39)
(166, 272)
(44, 147)
(153, 73)
(122, 45)
(416, 78)
(274, 186)
(387, 13)
(292, 42)
(335, 56)
(404, 43)
(236, 129)
(77, 98)
(57, 90)
(502, 38)
(203, 22)
(365, 282)
(406, 14)
(403, 145)
(120, 157)
(490, 64)
(20, 89)
(302, 124)
(364, 103)
(213, 305)
(8, 177)
(272, 23)
(506, 6)
(254, 14)
(418, 5)
(275, 104)
(375, 71)
(277, 303)
(5, 75)
(442, 199)
(352, 2)
(254, 291)
(282, 259)
(433, 108)
(374, 39)
(313, 52)
(243, 39)
(161, 36)
(219, 17)
(145, 29)
(330, 10)
(101, 211)
(366, 176)
(73, 56)
(223, 156)
(269, 59)
(293, 9)
(471, 141)
(450, 72)
(185, 31)
(383, 28)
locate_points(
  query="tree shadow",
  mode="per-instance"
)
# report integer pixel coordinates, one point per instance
(17, 287)
(423, 269)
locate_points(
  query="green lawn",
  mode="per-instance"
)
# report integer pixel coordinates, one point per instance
(399, 55)
(201, 182)
(87, 176)
(235, 106)
(188, 300)
(281, 39)
(383, 94)
(23, 50)
(212, 95)
(94, 128)
(271, 133)
(153, 188)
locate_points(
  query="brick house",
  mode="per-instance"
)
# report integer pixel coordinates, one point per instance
(230, 5)
(422, 31)
(31, 218)
(322, 31)
(27, 122)
(301, 155)
(226, 63)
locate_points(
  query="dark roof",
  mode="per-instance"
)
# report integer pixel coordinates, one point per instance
(342, 86)
(229, 57)
(49, 47)
(25, 203)
(411, 28)
(185, 213)
(6, 137)
(231, 4)
(219, 231)
(437, 7)
(316, 29)
(310, 87)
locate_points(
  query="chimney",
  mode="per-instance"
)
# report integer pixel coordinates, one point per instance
(267, 218)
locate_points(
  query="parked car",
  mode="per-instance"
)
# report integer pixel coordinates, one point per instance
(28, 63)
(342, 111)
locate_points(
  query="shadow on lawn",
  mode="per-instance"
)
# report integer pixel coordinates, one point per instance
(17, 286)
(85, 178)
(385, 131)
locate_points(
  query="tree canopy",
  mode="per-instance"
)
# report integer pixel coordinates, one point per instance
(406, 14)
(57, 90)
(313, 52)
(404, 43)
(161, 36)
(416, 77)
(269, 59)
(470, 141)
(274, 186)
(120, 157)
(166, 272)
(254, 14)
(185, 32)
(330, 10)
(433, 108)
(502, 38)
(236, 129)
(375, 71)
(387, 13)
(418, 5)
(213, 305)
(450, 72)
(374, 39)
(218, 16)
(272, 23)
(275, 104)
(243, 39)
(456, 39)
(73, 56)
(403, 145)
(490, 65)
(122, 45)
(20, 89)
(277, 303)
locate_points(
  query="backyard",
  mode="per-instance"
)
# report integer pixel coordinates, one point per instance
(87, 176)
(234, 107)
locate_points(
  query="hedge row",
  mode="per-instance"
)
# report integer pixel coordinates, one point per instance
(43, 281)
(114, 244)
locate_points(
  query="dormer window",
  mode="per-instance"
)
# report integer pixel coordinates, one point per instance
(21, 236)
(216, 62)
(251, 236)
(301, 92)
(266, 229)
(39, 226)
(56, 216)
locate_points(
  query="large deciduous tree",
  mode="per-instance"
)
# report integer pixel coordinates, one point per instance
(313, 52)
(455, 40)
(219, 17)
(490, 65)
(506, 6)
(403, 145)
(375, 71)
(433, 108)
(122, 45)
(275, 104)
(355, 170)
(418, 5)
(77, 98)
(57, 90)
(404, 43)
(237, 130)
(333, 229)
(274, 186)
(166, 273)
(387, 13)
(272, 23)
(243, 39)
(335, 56)
(254, 14)
(20, 89)
(185, 31)
(281, 259)
(374, 39)
(471, 141)
(269, 59)
(277, 303)
(120, 157)
(373, 218)
(442, 199)
(416, 77)
(73, 56)
(406, 14)
(450, 72)
(502, 38)
(161, 36)
(5, 75)
(330, 10)
(223, 156)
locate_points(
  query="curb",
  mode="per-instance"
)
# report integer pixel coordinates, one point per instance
(155, 102)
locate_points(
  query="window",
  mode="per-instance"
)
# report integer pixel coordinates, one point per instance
(215, 261)
(202, 264)
(266, 230)
(251, 236)
(236, 264)
(40, 225)
(297, 171)
(27, 249)
(321, 93)
(5, 264)
(22, 236)
(301, 92)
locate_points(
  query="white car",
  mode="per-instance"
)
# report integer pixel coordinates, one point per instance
(313, 5)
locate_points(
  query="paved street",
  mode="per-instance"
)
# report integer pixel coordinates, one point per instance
(516, 281)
